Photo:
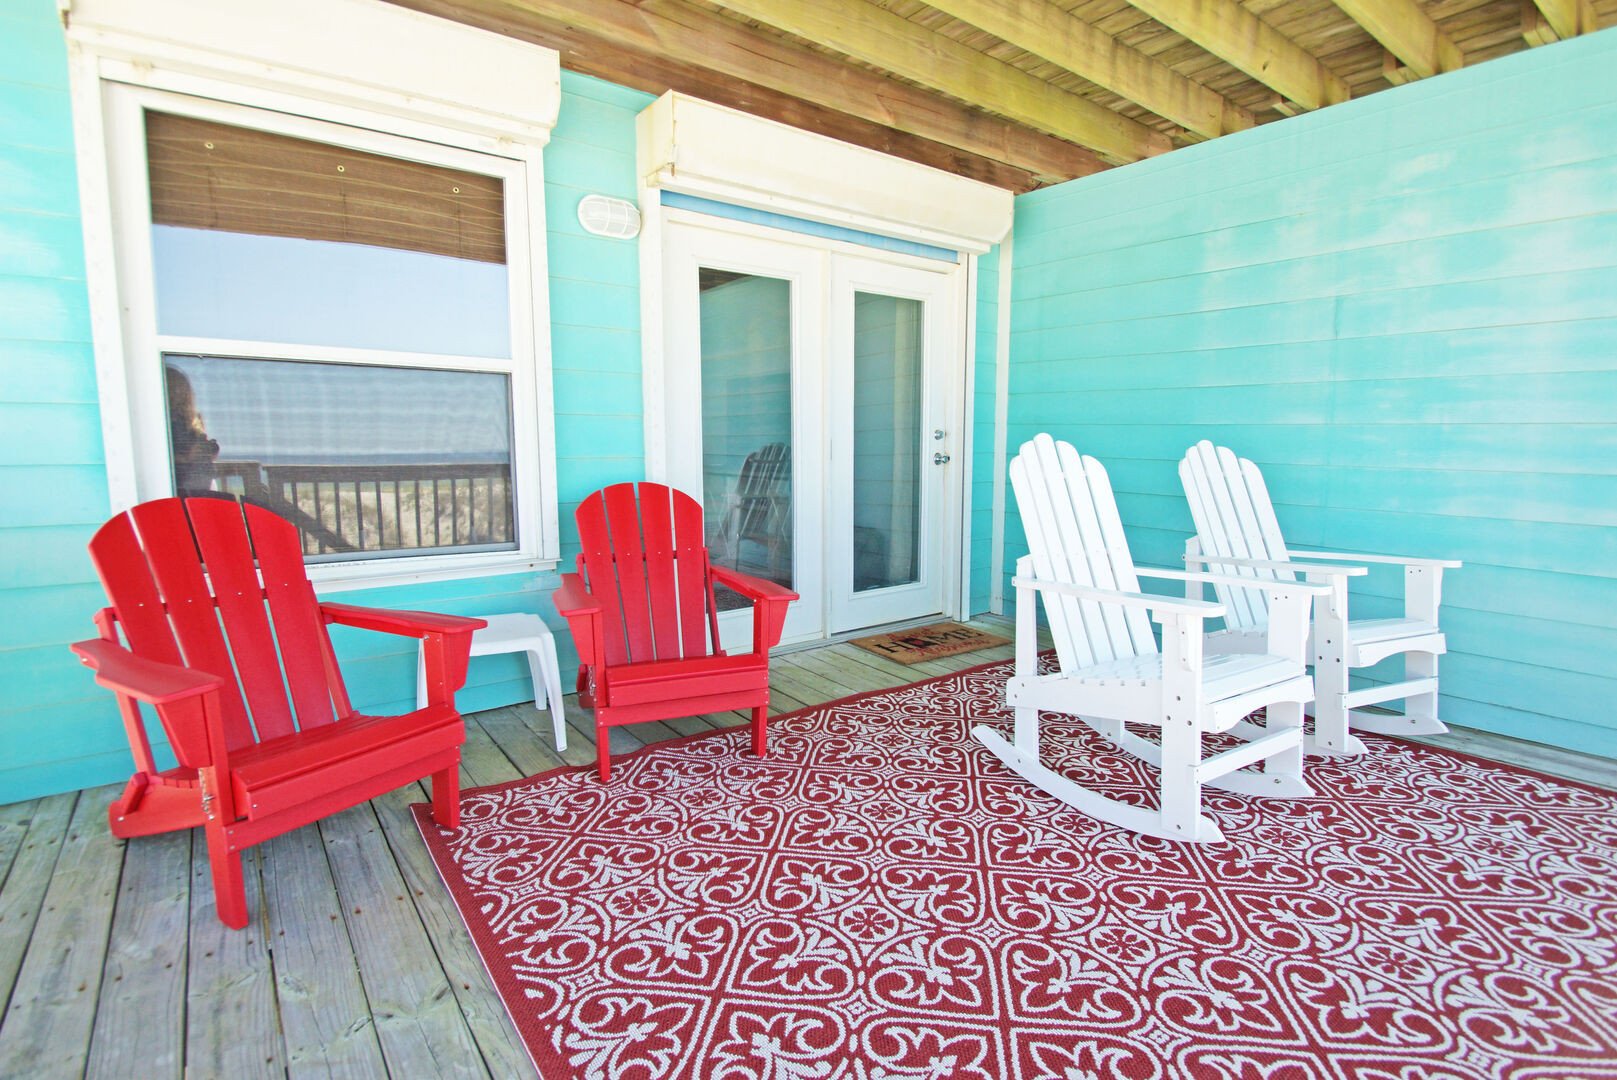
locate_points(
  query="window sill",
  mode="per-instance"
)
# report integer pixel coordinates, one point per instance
(380, 574)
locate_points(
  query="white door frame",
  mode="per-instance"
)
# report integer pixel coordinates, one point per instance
(662, 401)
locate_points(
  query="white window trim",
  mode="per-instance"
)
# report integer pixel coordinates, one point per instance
(114, 71)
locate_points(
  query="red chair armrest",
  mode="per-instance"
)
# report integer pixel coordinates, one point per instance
(447, 641)
(121, 671)
(582, 611)
(769, 604)
(573, 599)
(186, 700)
(753, 588)
(405, 623)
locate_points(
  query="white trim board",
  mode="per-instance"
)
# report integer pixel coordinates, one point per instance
(1002, 404)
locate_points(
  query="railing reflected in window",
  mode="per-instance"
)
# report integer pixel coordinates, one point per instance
(368, 461)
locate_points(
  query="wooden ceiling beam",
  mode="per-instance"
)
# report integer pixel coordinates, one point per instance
(657, 46)
(655, 74)
(1235, 35)
(878, 37)
(1081, 48)
(1406, 31)
(1544, 21)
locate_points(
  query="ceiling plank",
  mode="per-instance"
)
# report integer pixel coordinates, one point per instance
(1544, 21)
(1235, 35)
(657, 46)
(887, 41)
(1046, 31)
(1406, 31)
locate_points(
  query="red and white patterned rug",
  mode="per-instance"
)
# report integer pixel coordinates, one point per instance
(881, 899)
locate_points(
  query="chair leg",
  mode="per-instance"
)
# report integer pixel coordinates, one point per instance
(229, 890)
(1027, 732)
(1181, 792)
(1331, 734)
(446, 797)
(1420, 710)
(1286, 763)
(546, 673)
(603, 749)
(760, 738)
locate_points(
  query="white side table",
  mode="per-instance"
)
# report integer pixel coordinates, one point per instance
(517, 633)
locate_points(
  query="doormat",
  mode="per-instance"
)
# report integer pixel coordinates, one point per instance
(880, 897)
(929, 642)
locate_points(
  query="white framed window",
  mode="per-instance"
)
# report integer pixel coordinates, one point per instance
(337, 310)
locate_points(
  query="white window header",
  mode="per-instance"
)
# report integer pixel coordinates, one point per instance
(698, 148)
(362, 53)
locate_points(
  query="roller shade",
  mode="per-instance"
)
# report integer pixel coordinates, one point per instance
(209, 175)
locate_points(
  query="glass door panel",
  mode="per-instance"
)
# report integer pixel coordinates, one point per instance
(744, 340)
(888, 335)
(746, 365)
(893, 358)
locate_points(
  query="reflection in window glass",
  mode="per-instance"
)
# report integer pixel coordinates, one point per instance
(887, 369)
(367, 461)
(746, 327)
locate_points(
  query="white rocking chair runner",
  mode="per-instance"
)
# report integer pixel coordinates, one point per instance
(1237, 532)
(1111, 672)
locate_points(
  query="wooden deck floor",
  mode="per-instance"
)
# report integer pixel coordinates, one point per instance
(112, 962)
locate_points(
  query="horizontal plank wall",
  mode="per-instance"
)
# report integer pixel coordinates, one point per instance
(54, 725)
(1405, 310)
(57, 731)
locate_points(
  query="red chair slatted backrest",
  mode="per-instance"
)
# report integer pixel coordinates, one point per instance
(646, 559)
(266, 640)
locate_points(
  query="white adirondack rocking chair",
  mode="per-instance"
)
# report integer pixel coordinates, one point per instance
(1112, 674)
(1236, 531)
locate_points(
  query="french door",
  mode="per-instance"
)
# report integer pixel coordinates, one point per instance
(813, 395)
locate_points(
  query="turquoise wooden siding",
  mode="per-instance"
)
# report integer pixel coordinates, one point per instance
(982, 431)
(1405, 310)
(57, 730)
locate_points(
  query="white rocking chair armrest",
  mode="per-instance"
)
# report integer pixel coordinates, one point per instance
(1266, 584)
(1322, 569)
(1156, 602)
(1392, 560)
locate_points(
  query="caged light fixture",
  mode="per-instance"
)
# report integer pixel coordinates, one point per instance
(605, 216)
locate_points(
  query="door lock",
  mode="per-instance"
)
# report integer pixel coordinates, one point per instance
(937, 433)
(940, 459)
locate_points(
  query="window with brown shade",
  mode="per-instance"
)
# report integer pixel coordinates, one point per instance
(335, 331)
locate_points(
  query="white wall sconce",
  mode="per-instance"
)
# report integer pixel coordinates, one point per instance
(604, 216)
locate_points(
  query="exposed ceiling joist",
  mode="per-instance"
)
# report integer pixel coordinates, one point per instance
(878, 37)
(1232, 33)
(661, 46)
(1406, 31)
(1067, 41)
(1544, 21)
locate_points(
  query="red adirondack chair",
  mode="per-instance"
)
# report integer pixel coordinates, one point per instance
(643, 617)
(247, 769)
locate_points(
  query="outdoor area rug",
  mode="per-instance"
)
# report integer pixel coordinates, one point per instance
(880, 898)
(928, 642)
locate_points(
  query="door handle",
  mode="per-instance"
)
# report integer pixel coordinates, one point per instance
(940, 459)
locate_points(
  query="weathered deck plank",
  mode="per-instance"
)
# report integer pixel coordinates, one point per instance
(417, 1019)
(30, 876)
(53, 1004)
(325, 1016)
(491, 1027)
(141, 1015)
(14, 820)
(233, 1023)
